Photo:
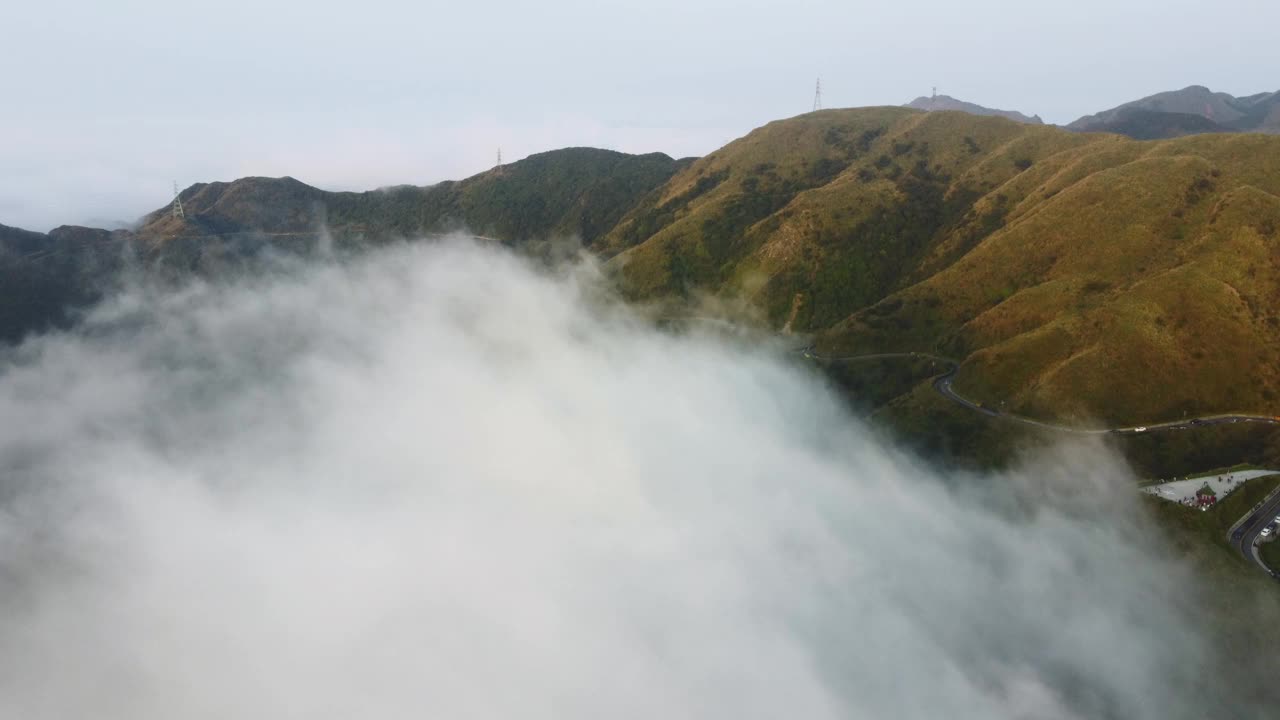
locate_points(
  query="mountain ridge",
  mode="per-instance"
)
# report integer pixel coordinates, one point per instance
(946, 102)
(1015, 248)
(571, 191)
(1168, 114)
(1011, 247)
(46, 278)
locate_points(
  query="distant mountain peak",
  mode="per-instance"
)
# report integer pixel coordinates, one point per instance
(946, 102)
(1191, 110)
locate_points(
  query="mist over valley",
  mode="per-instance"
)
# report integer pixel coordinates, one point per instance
(563, 360)
(440, 480)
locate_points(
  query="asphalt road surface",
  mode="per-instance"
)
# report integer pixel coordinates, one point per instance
(1242, 537)
(943, 385)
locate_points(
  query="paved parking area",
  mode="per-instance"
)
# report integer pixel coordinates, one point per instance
(1184, 491)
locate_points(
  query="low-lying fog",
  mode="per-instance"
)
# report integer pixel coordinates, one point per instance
(437, 483)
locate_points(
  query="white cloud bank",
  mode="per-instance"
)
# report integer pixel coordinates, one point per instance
(437, 484)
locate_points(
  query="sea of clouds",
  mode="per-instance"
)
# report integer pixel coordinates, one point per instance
(438, 482)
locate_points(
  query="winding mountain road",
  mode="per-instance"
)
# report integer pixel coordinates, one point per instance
(1241, 537)
(1246, 532)
(943, 385)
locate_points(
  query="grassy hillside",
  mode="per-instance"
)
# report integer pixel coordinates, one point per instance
(575, 192)
(1078, 277)
(1142, 291)
(827, 213)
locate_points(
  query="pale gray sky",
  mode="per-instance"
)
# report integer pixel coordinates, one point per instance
(105, 104)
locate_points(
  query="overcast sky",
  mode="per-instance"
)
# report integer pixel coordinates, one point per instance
(105, 105)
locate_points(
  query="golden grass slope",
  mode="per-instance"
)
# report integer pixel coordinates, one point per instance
(1080, 277)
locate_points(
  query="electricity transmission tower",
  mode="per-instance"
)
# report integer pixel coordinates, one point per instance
(817, 96)
(177, 202)
(499, 157)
